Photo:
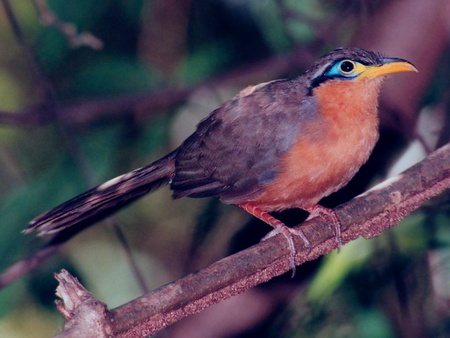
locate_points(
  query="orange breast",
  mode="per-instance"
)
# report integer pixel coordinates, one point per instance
(345, 134)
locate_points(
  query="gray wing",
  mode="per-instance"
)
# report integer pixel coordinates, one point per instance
(236, 151)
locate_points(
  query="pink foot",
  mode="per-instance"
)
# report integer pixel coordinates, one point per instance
(329, 216)
(279, 228)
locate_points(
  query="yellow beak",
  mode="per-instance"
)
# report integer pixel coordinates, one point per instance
(387, 66)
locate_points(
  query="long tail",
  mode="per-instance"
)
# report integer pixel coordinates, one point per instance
(100, 202)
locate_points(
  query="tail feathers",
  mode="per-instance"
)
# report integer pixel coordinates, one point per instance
(102, 201)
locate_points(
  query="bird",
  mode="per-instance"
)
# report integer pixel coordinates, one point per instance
(277, 145)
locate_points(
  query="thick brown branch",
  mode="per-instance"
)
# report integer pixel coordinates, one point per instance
(366, 215)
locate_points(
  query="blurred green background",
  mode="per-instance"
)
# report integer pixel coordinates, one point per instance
(76, 112)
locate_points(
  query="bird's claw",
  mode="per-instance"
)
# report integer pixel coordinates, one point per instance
(330, 217)
(288, 233)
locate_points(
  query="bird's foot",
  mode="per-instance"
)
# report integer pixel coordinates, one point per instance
(279, 228)
(329, 216)
(289, 234)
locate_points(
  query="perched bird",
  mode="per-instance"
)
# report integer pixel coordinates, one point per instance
(274, 146)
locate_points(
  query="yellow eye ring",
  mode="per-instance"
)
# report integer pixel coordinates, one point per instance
(347, 67)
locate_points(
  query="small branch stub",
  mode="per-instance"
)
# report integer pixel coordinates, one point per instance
(81, 309)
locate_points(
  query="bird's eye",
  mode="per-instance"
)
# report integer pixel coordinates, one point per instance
(344, 69)
(347, 67)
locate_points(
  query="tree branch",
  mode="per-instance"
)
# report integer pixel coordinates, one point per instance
(89, 111)
(367, 215)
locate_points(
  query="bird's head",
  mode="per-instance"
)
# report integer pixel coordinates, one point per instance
(353, 65)
(346, 83)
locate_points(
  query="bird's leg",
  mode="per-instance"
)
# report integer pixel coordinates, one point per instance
(329, 216)
(279, 228)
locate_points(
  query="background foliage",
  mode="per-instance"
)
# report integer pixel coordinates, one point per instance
(80, 116)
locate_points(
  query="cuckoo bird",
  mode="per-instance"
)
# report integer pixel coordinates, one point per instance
(274, 146)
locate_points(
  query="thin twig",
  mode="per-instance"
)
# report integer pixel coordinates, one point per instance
(137, 273)
(75, 39)
(43, 85)
(19, 269)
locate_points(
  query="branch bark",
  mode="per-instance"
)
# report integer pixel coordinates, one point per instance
(367, 215)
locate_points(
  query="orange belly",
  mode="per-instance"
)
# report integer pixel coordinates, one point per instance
(316, 167)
